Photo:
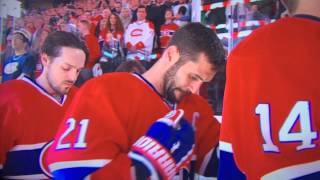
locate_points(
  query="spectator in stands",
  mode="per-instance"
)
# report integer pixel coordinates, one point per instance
(117, 8)
(134, 4)
(113, 29)
(182, 3)
(21, 63)
(37, 49)
(155, 13)
(139, 36)
(93, 46)
(181, 19)
(167, 30)
(125, 17)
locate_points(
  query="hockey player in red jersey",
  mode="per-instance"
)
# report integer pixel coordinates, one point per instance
(270, 126)
(131, 126)
(31, 110)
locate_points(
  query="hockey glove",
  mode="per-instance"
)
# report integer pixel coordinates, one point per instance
(167, 146)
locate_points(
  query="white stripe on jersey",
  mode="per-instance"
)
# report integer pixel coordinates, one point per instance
(74, 164)
(34, 176)
(294, 171)
(28, 146)
(205, 162)
(218, 118)
(225, 146)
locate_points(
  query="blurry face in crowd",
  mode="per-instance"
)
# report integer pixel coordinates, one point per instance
(118, 7)
(141, 14)
(185, 78)
(17, 42)
(81, 28)
(168, 15)
(125, 12)
(30, 27)
(106, 12)
(62, 72)
(103, 23)
(113, 19)
(145, 2)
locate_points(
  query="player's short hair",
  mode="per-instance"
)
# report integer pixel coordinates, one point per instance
(56, 40)
(194, 39)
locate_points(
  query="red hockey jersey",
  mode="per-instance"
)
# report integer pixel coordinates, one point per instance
(29, 118)
(271, 118)
(109, 114)
(166, 32)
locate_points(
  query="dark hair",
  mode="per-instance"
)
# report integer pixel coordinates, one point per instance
(119, 25)
(194, 39)
(182, 10)
(131, 66)
(56, 40)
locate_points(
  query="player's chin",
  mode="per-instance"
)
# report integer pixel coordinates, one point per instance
(179, 95)
(64, 90)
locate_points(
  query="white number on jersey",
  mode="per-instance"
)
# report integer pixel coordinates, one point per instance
(83, 124)
(301, 111)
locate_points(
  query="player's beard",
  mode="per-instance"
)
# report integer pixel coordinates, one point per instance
(58, 90)
(170, 86)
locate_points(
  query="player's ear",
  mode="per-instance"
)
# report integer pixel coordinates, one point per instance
(173, 54)
(45, 59)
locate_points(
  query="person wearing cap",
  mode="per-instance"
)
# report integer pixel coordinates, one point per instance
(22, 62)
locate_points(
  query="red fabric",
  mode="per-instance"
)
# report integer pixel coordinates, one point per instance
(94, 49)
(166, 32)
(28, 116)
(118, 119)
(277, 66)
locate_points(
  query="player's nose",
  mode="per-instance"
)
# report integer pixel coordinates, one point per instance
(195, 86)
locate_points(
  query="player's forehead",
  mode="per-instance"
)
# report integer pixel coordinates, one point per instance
(72, 56)
(200, 67)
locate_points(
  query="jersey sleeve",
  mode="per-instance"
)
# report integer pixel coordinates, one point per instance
(207, 133)
(90, 138)
(207, 129)
(9, 127)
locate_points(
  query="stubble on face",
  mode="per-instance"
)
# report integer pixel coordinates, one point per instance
(171, 91)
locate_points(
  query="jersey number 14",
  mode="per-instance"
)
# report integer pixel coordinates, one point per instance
(300, 112)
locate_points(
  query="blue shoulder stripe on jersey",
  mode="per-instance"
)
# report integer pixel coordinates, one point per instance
(24, 162)
(310, 176)
(228, 168)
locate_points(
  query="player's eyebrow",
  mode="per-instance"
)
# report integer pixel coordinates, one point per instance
(72, 65)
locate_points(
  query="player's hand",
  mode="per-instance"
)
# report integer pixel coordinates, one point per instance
(168, 144)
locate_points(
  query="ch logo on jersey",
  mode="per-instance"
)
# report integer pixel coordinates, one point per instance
(136, 32)
(11, 68)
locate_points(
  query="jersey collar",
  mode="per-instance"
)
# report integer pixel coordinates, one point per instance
(167, 102)
(58, 100)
